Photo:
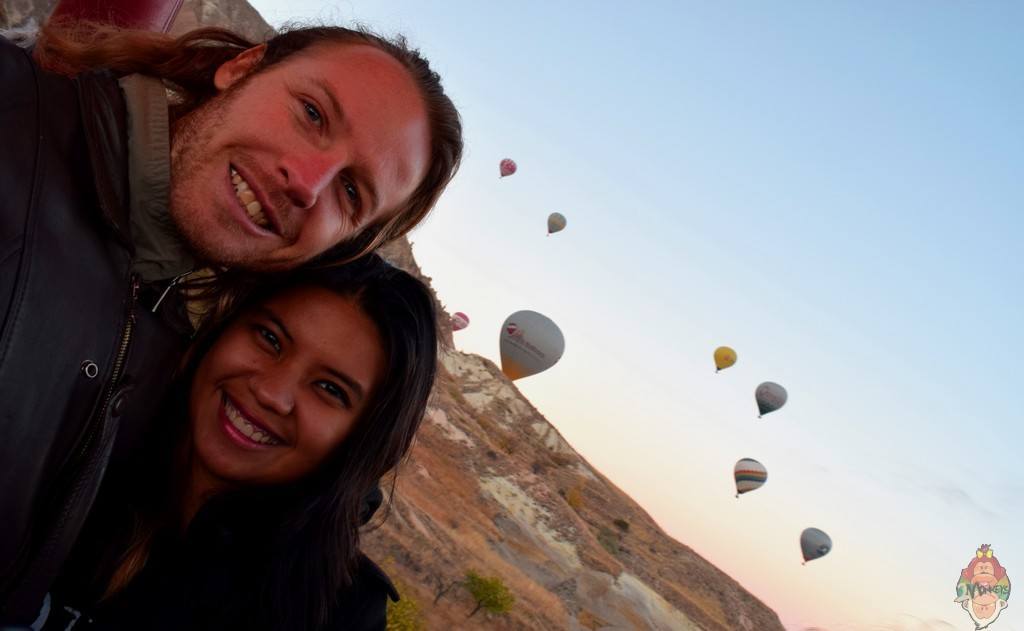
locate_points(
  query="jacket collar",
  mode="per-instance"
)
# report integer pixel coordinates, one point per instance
(104, 119)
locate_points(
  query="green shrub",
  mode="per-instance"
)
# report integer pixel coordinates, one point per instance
(489, 593)
(608, 540)
(404, 615)
(622, 525)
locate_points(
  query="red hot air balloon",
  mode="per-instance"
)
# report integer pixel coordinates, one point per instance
(459, 321)
(507, 167)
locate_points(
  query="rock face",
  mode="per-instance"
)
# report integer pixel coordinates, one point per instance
(492, 486)
(235, 14)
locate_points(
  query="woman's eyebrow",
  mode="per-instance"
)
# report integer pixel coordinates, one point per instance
(353, 385)
(270, 315)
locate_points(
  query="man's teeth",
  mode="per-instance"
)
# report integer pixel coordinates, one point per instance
(248, 429)
(248, 199)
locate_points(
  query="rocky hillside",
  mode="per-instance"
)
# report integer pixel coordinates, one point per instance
(492, 486)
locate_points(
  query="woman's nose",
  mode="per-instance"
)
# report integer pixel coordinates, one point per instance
(275, 391)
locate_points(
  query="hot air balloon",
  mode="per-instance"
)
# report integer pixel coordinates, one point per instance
(507, 167)
(750, 474)
(556, 222)
(814, 544)
(770, 397)
(530, 343)
(724, 357)
(459, 321)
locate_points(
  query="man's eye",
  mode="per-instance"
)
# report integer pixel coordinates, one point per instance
(352, 192)
(334, 391)
(269, 337)
(312, 113)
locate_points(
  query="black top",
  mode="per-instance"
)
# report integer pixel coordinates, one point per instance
(212, 577)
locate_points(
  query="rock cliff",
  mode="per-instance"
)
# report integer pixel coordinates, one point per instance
(492, 486)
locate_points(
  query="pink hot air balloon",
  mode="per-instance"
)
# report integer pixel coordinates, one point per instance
(459, 321)
(507, 167)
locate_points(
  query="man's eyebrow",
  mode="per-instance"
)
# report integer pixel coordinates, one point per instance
(349, 381)
(270, 315)
(371, 190)
(331, 98)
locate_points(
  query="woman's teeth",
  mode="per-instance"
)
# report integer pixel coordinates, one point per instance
(245, 427)
(248, 200)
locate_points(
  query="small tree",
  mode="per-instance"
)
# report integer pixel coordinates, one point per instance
(404, 615)
(489, 593)
(442, 587)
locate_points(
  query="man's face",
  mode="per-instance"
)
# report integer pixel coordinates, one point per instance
(289, 161)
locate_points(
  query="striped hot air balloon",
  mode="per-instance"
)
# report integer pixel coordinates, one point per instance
(750, 474)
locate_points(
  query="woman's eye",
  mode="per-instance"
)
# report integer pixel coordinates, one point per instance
(271, 339)
(312, 113)
(334, 391)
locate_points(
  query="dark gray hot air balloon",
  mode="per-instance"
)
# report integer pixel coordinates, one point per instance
(770, 397)
(814, 544)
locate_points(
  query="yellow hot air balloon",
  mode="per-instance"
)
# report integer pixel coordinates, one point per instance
(724, 357)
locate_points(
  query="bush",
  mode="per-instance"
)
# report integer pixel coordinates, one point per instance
(622, 525)
(404, 615)
(574, 498)
(489, 593)
(608, 540)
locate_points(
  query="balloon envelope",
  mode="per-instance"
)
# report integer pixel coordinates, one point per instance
(556, 222)
(750, 474)
(770, 397)
(724, 357)
(459, 321)
(814, 544)
(507, 167)
(530, 343)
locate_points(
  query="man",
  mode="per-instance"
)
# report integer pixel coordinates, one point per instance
(317, 145)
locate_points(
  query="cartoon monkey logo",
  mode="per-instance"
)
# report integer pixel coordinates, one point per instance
(983, 588)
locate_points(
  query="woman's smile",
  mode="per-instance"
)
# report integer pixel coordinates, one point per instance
(245, 429)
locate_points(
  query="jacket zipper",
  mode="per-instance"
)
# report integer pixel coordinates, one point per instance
(115, 375)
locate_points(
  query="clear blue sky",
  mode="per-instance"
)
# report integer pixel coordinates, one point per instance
(833, 189)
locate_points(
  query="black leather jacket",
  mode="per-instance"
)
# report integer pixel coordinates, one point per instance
(83, 360)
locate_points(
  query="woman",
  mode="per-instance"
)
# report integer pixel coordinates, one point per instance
(244, 512)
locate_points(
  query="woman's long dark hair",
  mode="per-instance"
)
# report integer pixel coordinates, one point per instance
(315, 545)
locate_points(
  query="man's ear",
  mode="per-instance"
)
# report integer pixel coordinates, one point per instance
(231, 71)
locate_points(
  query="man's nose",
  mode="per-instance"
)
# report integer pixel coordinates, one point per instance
(274, 390)
(309, 174)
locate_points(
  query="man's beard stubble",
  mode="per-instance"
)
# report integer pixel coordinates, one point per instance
(191, 134)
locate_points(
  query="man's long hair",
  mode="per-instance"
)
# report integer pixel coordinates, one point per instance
(312, 548)
(187, 65)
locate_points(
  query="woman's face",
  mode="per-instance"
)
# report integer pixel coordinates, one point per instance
(282, 387)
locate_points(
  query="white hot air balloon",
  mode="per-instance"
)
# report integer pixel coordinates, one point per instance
(749, 474)
(530, 343)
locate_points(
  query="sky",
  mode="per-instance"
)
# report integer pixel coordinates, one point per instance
(834, 190)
